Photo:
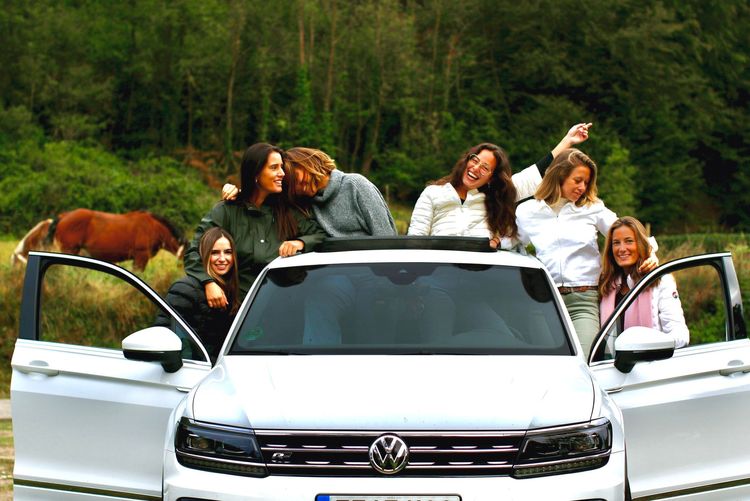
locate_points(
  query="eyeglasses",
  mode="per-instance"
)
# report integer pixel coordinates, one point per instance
(484, 167)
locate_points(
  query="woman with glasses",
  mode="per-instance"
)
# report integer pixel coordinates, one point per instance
(478, 197)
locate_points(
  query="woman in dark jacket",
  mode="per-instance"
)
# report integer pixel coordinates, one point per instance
(188, 298)
(262, 222)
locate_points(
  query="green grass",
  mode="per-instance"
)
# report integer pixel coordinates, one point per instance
(402, 215)
(6, 459)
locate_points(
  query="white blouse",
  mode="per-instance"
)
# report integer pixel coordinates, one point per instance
(439, 210)
(566, 242)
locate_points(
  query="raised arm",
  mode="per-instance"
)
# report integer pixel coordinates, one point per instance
(527, 181)
(576, 135)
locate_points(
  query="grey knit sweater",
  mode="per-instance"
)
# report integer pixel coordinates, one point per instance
(351, 206)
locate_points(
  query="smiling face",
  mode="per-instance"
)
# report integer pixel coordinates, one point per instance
(221, 260)
(479, 170)
(271, 176)
(624, 247)
(576, 183)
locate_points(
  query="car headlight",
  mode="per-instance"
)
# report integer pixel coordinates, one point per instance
(563, 450)
(222, 449)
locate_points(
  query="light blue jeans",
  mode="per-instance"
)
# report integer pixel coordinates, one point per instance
(583, 308)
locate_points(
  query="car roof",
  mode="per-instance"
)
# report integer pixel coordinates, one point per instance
(407, 249)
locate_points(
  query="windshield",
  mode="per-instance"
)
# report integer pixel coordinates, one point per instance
(403, 308)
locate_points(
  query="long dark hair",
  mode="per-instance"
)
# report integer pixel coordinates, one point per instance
(229, 282)
(500, 194)
(253, 161)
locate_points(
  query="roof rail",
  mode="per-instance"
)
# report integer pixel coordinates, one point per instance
(473, 244)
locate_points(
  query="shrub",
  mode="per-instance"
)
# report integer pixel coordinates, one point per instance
(43, 181)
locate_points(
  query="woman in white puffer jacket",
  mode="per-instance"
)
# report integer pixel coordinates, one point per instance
(478, 197)
(658, 306)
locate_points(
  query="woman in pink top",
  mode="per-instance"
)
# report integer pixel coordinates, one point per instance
(658, 306)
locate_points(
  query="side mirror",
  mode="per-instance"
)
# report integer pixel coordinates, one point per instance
(641, 344)
(154, 344)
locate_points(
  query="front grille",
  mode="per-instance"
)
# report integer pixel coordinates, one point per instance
(342, 453)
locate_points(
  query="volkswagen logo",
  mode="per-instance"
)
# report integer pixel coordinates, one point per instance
(389, 454)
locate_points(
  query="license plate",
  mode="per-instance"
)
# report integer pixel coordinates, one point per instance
(386, 497)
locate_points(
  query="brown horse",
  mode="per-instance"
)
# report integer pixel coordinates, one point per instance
(115, 237)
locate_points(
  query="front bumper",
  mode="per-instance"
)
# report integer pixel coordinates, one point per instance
(607, 482)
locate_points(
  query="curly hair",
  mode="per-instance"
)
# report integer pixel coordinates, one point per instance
(499, 192)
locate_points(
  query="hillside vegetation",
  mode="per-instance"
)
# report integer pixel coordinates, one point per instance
(394, 89)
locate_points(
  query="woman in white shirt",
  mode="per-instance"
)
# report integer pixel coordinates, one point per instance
(658, 306)
(478, 197)
(562, 223)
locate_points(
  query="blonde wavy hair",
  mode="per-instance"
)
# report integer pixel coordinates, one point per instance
(315, 165)
(550, 189)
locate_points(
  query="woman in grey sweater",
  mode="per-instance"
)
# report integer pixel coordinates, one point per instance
(343, 204)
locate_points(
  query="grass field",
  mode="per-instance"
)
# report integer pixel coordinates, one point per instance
(6, 460)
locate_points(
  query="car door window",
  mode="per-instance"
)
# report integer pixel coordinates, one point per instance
(700, 293)
(88, 307)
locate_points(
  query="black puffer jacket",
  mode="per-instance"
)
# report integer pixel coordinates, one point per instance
(188, 298)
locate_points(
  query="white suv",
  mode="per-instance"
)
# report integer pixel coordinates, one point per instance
(383, 369)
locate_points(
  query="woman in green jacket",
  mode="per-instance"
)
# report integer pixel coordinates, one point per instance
(262, 222)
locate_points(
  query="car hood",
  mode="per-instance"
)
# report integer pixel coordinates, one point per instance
(420, 392)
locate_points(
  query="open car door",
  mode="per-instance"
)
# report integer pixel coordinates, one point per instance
(684, 409)
(88, 423)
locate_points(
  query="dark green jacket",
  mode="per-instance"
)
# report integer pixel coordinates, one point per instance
(255, 239)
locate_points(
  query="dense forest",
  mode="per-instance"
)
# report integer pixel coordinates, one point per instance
(394, 89)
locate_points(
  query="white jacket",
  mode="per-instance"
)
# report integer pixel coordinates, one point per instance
(439, 210)
(666, 310)
(565, 242)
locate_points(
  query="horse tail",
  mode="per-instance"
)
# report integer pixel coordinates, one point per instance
(49, 238)
(33, 238)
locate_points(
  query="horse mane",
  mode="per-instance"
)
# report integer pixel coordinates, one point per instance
(176, 233)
